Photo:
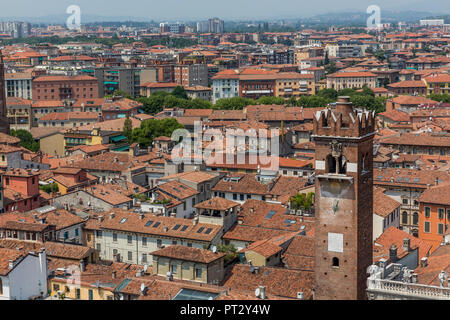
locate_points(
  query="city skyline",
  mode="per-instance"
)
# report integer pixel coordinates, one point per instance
(177, 10)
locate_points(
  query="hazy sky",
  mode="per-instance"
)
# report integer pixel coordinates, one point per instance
(195, 9)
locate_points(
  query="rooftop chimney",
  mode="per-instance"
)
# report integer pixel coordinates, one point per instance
(82, 266)
(424, 262)
(407, 244)
(100, 218)
(195, 221)
(10, 264)
(112, 215)
(113, 274)
(393, 253)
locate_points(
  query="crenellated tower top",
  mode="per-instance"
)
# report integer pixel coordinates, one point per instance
(344, 121)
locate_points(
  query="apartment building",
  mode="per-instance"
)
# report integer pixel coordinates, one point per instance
(64, 87)
(406, 186)
(415, 143)
(19, 85)
(434, 217)
(356, 80)
(293, 84)
(19, 113)
(188, 263)
(68, 119)
(131, 237)
(225, 85)
(189, 75)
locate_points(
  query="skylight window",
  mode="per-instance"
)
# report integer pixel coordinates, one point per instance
(184, 228)
(123, 220)
(148, 224)
(208, 231)
(156, 224)
(270, 214)
(200, 230)
(177, 227)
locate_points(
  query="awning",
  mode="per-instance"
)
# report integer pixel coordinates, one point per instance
(117, 138)
(124, 148)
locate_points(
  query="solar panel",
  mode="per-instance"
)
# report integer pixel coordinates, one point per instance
(156, 224)
(407, 179)
(208, 231)
(177, 227)
(148, 223)
(200, 230)
(399, 179)
(270, 214)
(184, 228)
(379, 177)
(416, 179)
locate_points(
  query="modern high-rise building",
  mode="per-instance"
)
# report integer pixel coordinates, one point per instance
(172, 27)
(16, 29)
(4, 123)
(344, 201)
(214, 25)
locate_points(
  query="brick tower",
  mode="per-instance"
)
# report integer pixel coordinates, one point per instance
(343, 234)
(4, 123)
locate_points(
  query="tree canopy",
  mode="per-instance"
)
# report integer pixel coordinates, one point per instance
(26, 139)
(152, 128)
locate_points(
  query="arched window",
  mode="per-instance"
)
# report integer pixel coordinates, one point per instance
(404, 217)
(415, 218)
(335, 262)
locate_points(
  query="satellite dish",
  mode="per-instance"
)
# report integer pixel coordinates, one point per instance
(142, 287)
(145, 267)
(214, 249)
(257, 292)
(210, 298)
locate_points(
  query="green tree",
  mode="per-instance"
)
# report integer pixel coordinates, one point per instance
(302, 201)
(329, 93)
(152, 128)
(229, 250)
(327, 58)
(235, 103)
(121, 93)
(50, 188)
(127, 128)
(271, 100)
(180, 92)
(26, 139)
(331, 67)
(440, 97)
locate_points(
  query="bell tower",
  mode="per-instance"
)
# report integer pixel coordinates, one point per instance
(4, 123)
(343, 171)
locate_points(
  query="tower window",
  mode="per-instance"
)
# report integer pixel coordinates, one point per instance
(335, 262)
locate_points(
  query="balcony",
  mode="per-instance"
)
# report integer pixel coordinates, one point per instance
(408, 291)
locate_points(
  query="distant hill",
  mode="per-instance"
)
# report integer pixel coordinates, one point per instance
(361, 17)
